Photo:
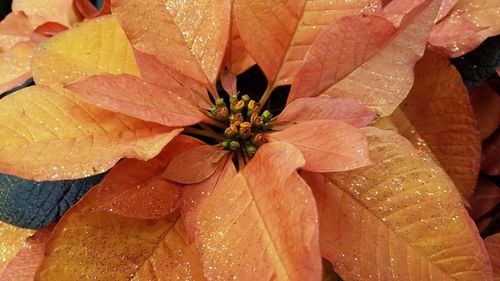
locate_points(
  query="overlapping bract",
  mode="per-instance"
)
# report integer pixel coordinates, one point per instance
(187, 213)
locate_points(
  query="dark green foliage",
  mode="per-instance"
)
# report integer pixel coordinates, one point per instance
(34, 205)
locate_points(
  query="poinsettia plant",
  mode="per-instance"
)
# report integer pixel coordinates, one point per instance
(346, 162)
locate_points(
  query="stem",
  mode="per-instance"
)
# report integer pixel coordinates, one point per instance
(267, 94)
(213, 122)
(206, 128)
(204, 133)
(213, 92)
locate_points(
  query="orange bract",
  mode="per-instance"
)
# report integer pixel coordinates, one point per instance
(193, 33)
(269, 209)
(407, 221)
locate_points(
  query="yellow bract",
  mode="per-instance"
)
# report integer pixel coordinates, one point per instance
(92, 47)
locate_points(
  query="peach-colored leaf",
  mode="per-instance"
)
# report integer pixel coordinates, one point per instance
(486, 104)
(131, 96)
(48, 133)
(61, 11)
(485, 198)
(342, 109)
(136, 189)
(437, 117)
(492, 244)
(24, 265)
(383, 81)
(188, 36)
(337, 51)
(277, 34)
(195, 165)
(327, 145)
(194, 195)
(15, 67)
(69, 57)
(12, 239)
(228, 81)
(262, 224)
(400, 219)
(87, 244)
(237, 58)
(154, 72)
(16, 27)
(89, 11)
(467, 16)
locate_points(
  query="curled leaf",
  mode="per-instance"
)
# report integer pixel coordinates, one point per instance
(486, 105)
(327, 145)
(89, 11)
(485, 198)
(195, 165)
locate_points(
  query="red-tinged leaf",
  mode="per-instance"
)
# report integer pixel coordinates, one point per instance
(400, 219)
(342, 109)
(15, 67)
(485, 198)
(492, 244)
(131, 96)
(490, 163)
(68, 56)
(383, 81)
(483, 14)
(24, 265)
(262, 224)
(228, 80)
(237, 58)
(277, 34)
(87, 244)
(195, 33)
(195, 165)
(47, 133)
(483, 224)
(61, 11)
(12, 239)
(89, 11)
(194, 195)
(136, 189)
(49, 29)
(327, 145)
(486, 105)
(337, 51)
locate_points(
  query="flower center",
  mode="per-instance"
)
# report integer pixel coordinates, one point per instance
(245, 123)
